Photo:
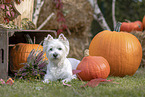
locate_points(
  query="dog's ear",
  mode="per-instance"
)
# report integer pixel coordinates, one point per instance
(65, 42)
(49, 37)
(46, 40)
(62, 37)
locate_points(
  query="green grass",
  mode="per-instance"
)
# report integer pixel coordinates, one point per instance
(129, 86)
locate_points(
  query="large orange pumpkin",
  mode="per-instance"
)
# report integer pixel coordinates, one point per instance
(131, 26)
(143, 21)
(93, 67)
(122, 50)
(19, 54)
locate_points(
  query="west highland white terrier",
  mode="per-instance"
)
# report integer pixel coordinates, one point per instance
(59, 67)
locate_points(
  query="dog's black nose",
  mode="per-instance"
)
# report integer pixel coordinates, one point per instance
(55, 55)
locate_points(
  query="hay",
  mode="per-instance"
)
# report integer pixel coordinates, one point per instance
(77, 46)
(78, 15)
(141, 37)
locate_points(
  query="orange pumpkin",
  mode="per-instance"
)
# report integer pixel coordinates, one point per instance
(122, 50)
(93, 67)
(19, 54)
(131, 26)
(143, 21)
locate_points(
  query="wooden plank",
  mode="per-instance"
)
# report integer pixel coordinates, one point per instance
(51, 31)
(4, 54)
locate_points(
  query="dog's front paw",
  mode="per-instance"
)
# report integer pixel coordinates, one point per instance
(66, 80)
(46, 81)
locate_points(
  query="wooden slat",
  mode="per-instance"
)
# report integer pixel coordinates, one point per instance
(4, 54)
(52, 31)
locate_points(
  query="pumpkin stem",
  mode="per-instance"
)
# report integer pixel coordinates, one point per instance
(86, 52)
(28, 38)
(128, 21)
(117, 28)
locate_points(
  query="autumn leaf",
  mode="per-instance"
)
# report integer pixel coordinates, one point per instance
(8, 13)
(10, 81)
(6, 20)
(76, 71)
(95, 82)
(59, 31)
(64, 26)
(2, 6)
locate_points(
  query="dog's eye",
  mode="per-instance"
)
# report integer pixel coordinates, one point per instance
(59, 48)
(50, 49)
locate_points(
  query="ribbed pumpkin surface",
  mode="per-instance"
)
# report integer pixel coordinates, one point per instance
(122, 50)
(93, 67)
(19, 54)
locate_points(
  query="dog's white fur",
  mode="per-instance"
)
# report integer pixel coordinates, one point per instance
(59, 66)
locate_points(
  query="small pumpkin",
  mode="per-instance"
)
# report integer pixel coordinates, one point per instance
(131, 26)
(122, 50)
(143, 21)
(93, 67)
(19, 54)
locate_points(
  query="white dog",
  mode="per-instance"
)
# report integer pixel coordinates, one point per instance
(59, 66)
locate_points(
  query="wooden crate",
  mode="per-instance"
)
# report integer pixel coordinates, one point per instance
(9, 38)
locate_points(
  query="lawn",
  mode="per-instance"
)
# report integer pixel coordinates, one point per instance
(128, 87)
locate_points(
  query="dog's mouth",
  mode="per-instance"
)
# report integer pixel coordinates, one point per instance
(55, 58)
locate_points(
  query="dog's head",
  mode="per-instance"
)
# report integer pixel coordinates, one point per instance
(56, 49)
